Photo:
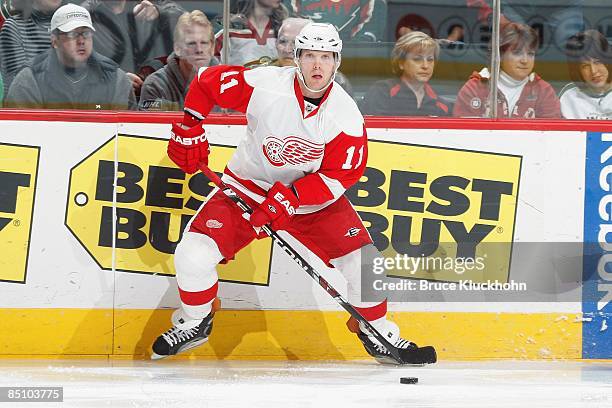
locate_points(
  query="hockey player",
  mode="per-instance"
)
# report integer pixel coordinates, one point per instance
(306, 144)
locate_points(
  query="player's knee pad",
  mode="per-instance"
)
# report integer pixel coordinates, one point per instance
(195, 261)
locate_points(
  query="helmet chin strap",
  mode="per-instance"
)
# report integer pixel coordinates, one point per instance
(301, 76)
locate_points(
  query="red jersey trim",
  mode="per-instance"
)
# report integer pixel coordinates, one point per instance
(300, 97)
(268, 33)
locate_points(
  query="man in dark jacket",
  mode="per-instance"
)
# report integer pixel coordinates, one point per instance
(70, 75)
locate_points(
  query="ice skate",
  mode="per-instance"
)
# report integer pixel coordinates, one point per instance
(409, 351)
(184, 335)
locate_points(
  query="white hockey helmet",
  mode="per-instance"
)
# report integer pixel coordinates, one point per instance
(318, 37)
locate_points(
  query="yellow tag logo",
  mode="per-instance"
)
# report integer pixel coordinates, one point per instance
(446, 206)
(155, 201)
(18, 171)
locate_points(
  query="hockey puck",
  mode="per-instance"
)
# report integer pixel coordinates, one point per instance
(409, 380)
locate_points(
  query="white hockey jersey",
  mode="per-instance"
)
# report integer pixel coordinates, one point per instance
(578, 104)
(246, 45)
(319, 150)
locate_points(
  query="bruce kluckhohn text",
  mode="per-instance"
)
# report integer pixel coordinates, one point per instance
(461, 286)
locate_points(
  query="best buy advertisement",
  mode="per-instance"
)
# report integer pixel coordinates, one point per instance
(438, 202)
(155, 201)
(18, 171)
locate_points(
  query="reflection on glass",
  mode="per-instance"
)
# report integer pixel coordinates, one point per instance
(253, 30)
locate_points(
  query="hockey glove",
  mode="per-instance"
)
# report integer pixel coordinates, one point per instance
(188, 147)
(277, 209)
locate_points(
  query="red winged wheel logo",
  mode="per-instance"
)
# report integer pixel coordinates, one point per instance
(292, 150)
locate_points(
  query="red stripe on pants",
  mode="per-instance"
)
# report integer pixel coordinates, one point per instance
(199, 298)
(374, 312)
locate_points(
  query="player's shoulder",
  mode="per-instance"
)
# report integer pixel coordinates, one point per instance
(268, 77)
(344, 112)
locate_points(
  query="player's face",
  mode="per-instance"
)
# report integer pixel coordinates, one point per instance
(317, 67)
(285, 43)
(595, 74)
(196, 47)
(518, 63)
(418, 67)
(73, 48)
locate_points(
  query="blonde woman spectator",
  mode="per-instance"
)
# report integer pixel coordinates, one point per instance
(24, 36)
(521, 92)
(194, 44)
(413, 59)
(253, 31)
(589, 61)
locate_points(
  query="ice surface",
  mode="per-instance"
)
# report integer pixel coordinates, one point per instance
(197, 383)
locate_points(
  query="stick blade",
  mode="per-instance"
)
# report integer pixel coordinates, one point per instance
(419, 356)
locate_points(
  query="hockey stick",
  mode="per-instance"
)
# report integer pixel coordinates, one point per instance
(422, 355)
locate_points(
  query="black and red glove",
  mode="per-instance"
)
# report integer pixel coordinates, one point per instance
(277, 209)
(188, 147)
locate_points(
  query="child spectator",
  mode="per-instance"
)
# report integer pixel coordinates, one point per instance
(589, 61)
(413, 60)
(521, 92)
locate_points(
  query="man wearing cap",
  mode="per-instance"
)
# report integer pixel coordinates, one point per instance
(70, 75)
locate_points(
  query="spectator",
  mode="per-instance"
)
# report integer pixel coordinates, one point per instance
(589, 59)
(194, 44)
(455, 33)
(70, 75)
(412, 60)
(285, 45)
(521, 92)
(24, 36)
(253, 31)
(132, 32)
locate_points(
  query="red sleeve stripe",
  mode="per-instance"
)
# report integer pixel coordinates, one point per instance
(199, 298)
(374, 312)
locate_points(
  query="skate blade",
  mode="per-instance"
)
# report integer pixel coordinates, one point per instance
(155, 356)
